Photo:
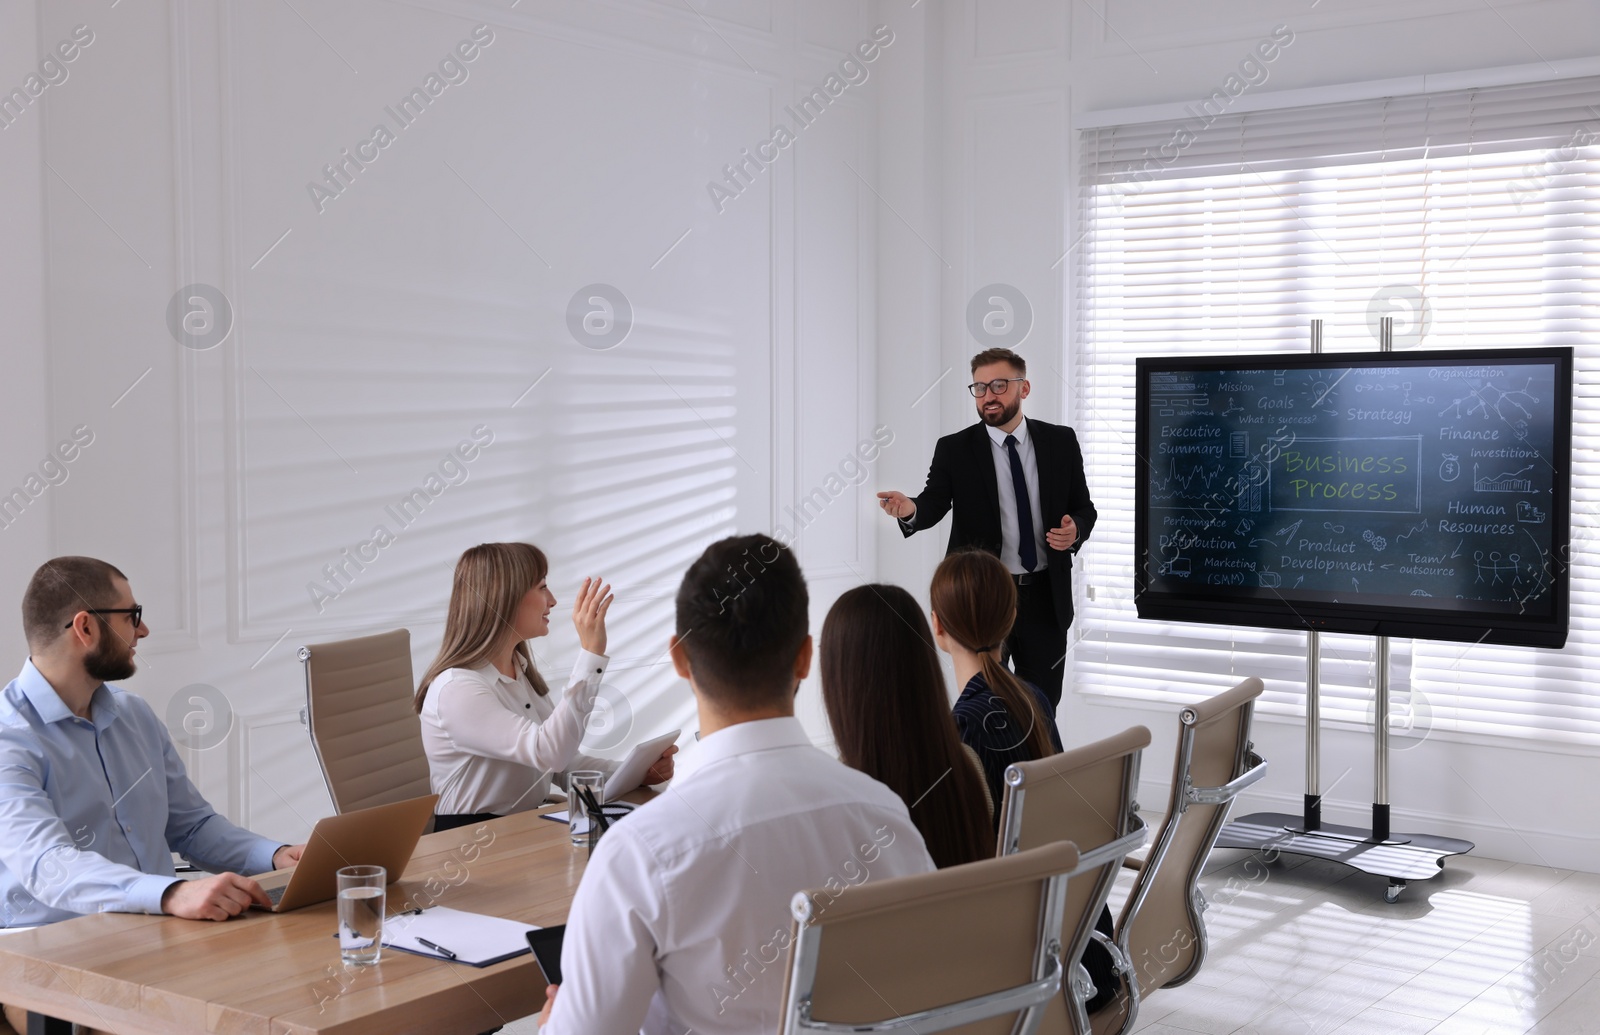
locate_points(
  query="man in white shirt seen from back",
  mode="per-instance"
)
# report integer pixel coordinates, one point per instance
(682, 919)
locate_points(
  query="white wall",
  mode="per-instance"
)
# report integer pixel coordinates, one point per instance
(27, 431)
(375, 330)
(1017, 77)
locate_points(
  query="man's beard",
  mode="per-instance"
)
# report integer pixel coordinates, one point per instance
(110, 660)
(1003, 417)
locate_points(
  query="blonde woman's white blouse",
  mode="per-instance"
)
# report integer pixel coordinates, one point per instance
(494, 744)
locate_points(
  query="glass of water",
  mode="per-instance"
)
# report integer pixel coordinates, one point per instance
(361, 913)
(577, 817)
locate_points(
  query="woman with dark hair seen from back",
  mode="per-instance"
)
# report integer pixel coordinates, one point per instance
(887, 704)
(494, 734)
(1001, 717)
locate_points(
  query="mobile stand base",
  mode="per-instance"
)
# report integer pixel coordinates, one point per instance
(1400, 857)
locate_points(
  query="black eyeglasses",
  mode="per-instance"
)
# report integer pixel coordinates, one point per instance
(136, 612)
(999, 386)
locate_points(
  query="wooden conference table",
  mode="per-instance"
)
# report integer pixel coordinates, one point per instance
(276, 974)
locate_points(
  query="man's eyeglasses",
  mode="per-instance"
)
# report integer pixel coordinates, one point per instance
(999, 386)
(136, 612)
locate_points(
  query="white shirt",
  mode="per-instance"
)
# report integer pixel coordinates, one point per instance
(493, 741)
(682, 918)
(1009, 554)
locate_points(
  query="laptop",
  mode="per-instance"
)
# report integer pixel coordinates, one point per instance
(385, 835)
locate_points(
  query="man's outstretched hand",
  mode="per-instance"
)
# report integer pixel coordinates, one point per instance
(897, 505)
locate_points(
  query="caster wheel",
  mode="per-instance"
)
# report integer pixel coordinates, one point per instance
(1391, 894)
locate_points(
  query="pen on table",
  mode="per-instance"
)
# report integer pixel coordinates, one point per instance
(440, 949)
(409, 912)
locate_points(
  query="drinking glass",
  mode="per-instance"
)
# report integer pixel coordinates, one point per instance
(361, 895)
(577, 817)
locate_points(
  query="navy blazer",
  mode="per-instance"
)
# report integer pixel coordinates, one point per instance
(962, 478)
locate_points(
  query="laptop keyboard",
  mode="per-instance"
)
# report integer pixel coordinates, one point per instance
(276, 894)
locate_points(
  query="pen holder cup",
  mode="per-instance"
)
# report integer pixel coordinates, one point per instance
(585, 788)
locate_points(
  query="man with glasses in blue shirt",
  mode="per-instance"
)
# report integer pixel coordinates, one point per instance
(1018, 491)
(93, 797)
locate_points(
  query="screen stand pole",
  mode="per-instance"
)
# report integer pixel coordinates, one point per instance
(1380, 744)
(1380, 692)
(1313, 805)
(1313, 799)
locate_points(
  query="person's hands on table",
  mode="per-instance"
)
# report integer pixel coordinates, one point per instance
(287, 856)
(213, 898)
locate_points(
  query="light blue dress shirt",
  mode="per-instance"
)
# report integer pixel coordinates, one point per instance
(92, 809)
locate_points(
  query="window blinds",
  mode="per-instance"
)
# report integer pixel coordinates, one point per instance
(1470, 217)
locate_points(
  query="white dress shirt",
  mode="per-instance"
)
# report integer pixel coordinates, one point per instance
(682, 918)
(493, 742)
(1009, 553)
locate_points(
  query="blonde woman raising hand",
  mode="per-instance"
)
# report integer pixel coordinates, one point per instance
(496, 736)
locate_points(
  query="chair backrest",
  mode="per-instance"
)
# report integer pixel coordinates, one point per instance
(364, 727)
(1161, 931)
(971, 948)
(1085, 796)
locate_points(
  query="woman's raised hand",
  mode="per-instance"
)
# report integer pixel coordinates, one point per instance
(589, 614)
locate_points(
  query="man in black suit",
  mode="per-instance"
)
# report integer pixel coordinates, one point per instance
(984, 473)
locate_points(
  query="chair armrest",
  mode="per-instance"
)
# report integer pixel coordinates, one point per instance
(1133, 840)
(1230, 790)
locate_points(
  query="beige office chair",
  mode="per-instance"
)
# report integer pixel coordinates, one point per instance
(1161, 933)
(972, 948)
(1085, 796)
(364, 727)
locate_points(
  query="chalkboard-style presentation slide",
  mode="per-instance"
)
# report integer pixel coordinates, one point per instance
(1420, 494)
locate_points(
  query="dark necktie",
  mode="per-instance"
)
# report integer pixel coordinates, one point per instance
(1019, 484)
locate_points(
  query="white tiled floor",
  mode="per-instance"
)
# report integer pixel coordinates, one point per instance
(1307, 947)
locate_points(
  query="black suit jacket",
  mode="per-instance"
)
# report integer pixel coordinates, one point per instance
(962, 478)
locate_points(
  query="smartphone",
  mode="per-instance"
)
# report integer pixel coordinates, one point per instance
(546, 946)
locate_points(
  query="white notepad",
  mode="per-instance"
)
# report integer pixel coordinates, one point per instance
(476, 939)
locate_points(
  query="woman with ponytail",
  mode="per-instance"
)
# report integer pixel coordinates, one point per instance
(1000, 717)
(494, 734)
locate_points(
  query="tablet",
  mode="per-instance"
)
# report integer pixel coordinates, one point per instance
(546, 946)
(630, 774)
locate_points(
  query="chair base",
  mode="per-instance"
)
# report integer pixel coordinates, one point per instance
(1400, 857)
